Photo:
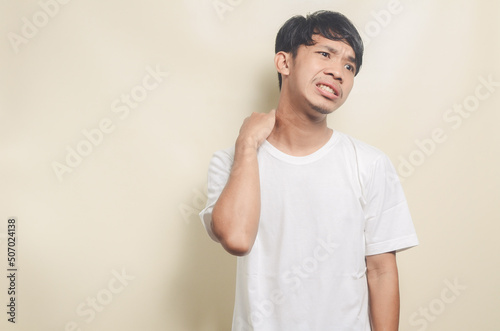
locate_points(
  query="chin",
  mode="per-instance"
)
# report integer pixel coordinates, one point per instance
(323, 110)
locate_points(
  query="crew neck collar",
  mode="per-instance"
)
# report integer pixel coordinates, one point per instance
(318, 154)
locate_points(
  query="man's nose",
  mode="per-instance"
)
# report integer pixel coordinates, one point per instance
(334, 69)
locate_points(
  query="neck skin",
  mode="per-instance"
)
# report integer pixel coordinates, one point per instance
(298, 131)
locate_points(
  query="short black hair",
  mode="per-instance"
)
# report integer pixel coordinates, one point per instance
(299, 30)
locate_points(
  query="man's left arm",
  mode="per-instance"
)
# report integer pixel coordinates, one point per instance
(383, 287)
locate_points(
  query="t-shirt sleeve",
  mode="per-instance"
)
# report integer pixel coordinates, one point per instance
(218, 175)
(389, 226)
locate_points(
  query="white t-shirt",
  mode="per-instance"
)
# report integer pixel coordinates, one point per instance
(321, 214)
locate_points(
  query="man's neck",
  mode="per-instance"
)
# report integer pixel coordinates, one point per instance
(297, 133)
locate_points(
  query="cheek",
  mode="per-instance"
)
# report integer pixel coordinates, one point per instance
(302, 79)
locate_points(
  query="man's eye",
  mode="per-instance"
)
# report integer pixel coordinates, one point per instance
(325, 54)
(349, 67)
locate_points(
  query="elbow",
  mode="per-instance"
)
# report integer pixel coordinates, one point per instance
(235, 242)
(235, 232)
(237, 247)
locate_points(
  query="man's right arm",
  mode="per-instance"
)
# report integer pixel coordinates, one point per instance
(235, 217)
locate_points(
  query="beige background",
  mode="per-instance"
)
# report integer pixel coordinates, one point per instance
(130, 205)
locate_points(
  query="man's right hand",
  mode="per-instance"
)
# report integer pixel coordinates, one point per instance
(256, 128)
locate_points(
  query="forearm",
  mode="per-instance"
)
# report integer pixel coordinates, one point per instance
(383, 285)
(235, 217)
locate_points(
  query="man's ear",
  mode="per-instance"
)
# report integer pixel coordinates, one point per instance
(282, 63)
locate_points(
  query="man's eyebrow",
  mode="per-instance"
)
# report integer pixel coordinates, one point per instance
(335, 51)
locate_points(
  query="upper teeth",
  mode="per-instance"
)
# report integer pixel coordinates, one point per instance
(326, 88)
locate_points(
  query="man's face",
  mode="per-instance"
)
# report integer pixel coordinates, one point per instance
(322, 75)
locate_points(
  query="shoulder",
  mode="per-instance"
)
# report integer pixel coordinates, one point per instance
(225, 154)
(365, 153)
(221, 161)
(370, 163)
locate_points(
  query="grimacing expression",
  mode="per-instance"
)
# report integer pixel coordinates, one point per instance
(322, 75)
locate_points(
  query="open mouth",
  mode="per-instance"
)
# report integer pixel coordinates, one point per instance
(328, 89)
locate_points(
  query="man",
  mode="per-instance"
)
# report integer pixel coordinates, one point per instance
(315, 215)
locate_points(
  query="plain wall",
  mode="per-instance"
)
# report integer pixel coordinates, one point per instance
(110, 239)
